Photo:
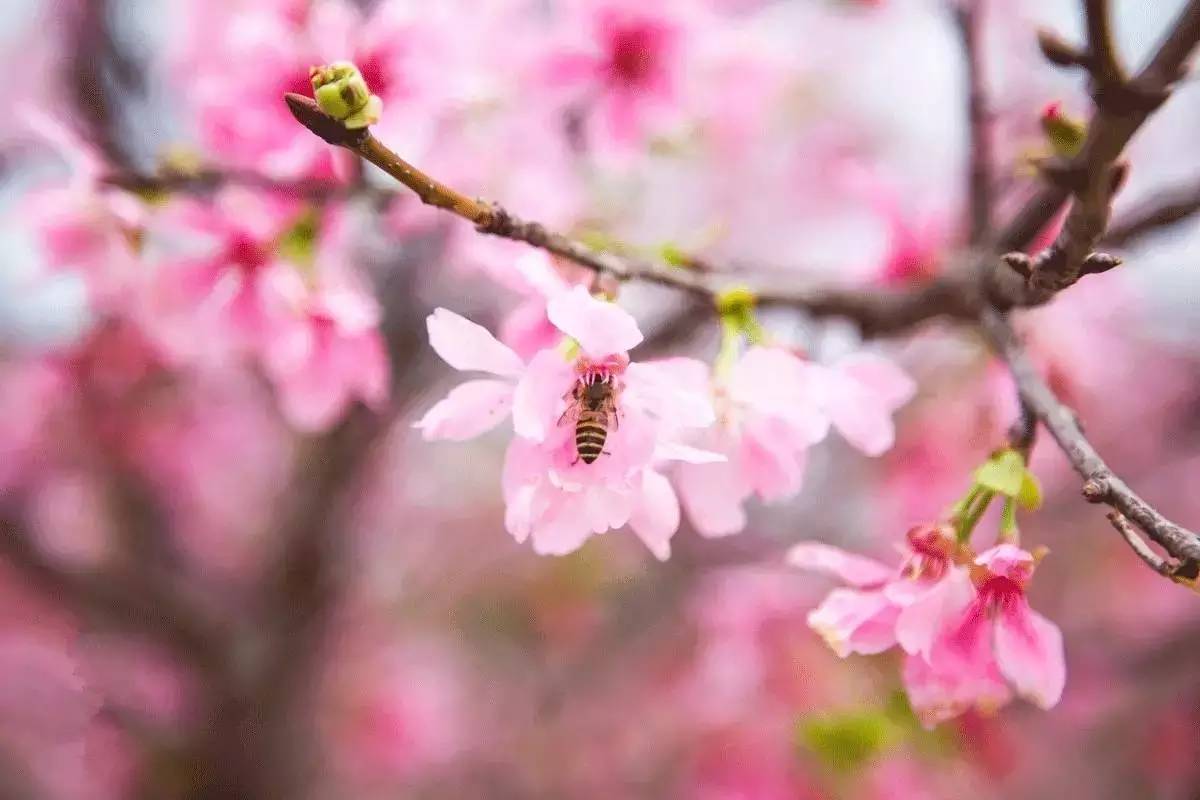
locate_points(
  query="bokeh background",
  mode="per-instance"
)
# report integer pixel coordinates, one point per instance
(198, 598)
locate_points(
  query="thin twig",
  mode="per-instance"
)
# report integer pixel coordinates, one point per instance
(1101, 484)
(1103, 61)
(1138, 544)
(1096, 175)
(1169, 207)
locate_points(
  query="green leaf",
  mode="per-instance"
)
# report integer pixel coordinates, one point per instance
(1003, 473)
(847, 742)
(1030, 496)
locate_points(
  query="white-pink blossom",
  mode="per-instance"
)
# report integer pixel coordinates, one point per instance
(553, 497)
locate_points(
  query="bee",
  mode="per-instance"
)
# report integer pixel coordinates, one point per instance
(593, 408)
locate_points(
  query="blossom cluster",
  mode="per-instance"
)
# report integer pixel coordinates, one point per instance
(179, 324)
(722, 438)
(970, 637)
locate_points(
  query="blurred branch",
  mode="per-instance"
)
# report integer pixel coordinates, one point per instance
(1169, 207)
(968, 18)
(209, 180)
(116, 602)
(1101, 484)
(96, 65)
(1123, 105)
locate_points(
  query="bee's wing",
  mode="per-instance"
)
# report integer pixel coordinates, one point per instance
(571, 414)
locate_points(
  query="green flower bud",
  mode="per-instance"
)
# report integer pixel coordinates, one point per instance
(342, 93)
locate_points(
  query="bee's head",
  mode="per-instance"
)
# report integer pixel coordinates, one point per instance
(596, 391)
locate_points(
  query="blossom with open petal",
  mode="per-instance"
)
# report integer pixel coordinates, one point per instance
(860, 394)
(884, 604)
(986, 633)
(771, 412)
(553, 497)
(330, 354)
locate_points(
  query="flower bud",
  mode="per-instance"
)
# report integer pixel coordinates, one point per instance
(1065, 134)
(342, 93)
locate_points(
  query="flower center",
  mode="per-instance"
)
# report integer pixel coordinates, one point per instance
(246, 254)
(635, 52)
(1000, 593)
(590, 372)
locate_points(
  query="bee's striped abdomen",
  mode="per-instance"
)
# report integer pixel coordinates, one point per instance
(590, 432)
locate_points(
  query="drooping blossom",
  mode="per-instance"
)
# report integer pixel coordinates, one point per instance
(553, 497)
(968, 630)
(865, 619)
(982, 639)
(772, 407)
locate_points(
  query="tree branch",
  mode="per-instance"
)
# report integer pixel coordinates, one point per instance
(1095, 176)
(209, 180)
(116, 602)
(1169, 207)
(979, 293)
(1101, 484)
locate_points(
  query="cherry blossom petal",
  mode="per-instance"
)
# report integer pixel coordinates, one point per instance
(937, 694)
(1007, 560)
(655, 515)
(539, 398)
(560, 529)
(669, 390)
(527, 331)
(536, 268)
(674, 451)
(891, 385)
(853, 621)
(854, 569)
(772, 461)
(713, 495)
(769, 379)
(469, 409)
(862, 418)
(931, 613)
(469, 347)
(601, 328)
(1029, 651)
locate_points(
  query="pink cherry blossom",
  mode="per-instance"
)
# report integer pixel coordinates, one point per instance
(771, 412)
(986, 636)
(773, 406)
(84, 225)
(884, 603)
(328, 356)
(861, 392)
(232, 282)
(629, 65)
(554, 498)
